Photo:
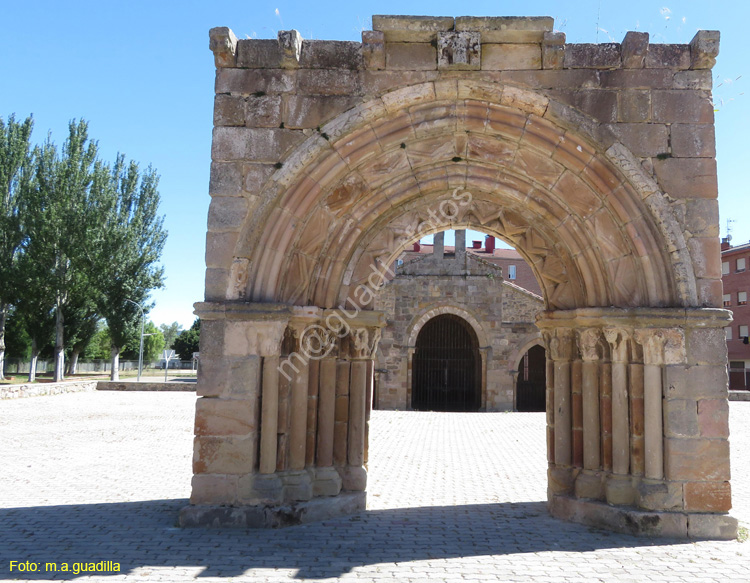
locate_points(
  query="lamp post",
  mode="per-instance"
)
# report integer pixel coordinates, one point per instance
(140, 351)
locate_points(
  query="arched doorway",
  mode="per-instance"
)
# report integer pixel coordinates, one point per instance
(531, 383)
(309, 212)
(446, 372)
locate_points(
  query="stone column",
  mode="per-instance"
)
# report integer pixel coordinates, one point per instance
(560, 474)
(363, 342)
(618, 340)
(653, 341)
(460, 245)
(438, 244)
(589, 482)
(270, 347)
(561, 351)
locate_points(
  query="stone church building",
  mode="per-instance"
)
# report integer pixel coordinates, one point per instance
(458, 335)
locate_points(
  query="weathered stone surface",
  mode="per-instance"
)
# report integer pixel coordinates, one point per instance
(263, 111)
(256, 144)
(258, 54)
(510, 57)
(220, 248)
(680, 418)
(223, 45)
(373, 49)
(411, 28)
(290, 43)
(712, 526)
(459, 50)
(592, 56)
(330, 54)
(704, 48)
(696, 459)
(682, 107)
(553, 50)
(643, 139)
(693, 140)
(708, 496)
(328, 82)
(302, 111)
(634, 106)
(664, 56)
(223, 455)
(229, 111)
(687, 177)
(507, 29)
(226, 179)
(225, 416)
(226, 213)
(634, 49)
(254, 81)
(213, 489)
(659, 495)
(713, 417)
(698, 80)
(410, 57)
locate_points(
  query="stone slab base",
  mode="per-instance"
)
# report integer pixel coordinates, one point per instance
(739, 395)
(273, 516)
(187, 386)
(644, 523)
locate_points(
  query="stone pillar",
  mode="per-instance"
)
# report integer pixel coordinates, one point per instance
(362, 341)
(589, 482)
(438, 244)
(653, 431)
(663, 401)
(561, 352)
(460, 246)
(560, 473)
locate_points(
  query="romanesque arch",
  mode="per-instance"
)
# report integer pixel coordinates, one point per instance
(329, 158)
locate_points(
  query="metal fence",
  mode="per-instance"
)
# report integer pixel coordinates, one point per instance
(18, 366)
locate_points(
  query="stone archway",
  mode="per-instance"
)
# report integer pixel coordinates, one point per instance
(330, 158)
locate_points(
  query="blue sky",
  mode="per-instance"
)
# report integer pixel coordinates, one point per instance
(142, 75)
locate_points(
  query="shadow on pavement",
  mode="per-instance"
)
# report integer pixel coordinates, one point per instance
(144, 534)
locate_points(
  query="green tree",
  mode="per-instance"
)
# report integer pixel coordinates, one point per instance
(153, 345)
(15, 168)
(188, 341)
(62, 220)
(131, 248)
(170, 332)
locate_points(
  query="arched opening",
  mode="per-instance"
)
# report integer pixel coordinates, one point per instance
(308, 217)
(532, 381)
(446, 366)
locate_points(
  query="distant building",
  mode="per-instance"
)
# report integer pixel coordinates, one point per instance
(735, 262)
(461, 332)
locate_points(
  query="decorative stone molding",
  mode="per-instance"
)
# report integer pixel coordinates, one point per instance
(459, 50)
(589, 344)
(618, 339)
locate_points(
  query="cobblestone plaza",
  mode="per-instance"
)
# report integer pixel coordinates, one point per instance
(451, 497)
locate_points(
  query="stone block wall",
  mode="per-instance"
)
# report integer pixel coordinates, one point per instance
(501, 314)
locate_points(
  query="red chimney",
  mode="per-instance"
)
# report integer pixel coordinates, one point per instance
(417, 247)
(489, 243)
(476, 244)
(725, 244)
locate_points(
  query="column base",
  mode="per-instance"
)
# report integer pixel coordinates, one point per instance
(630, 520)
(292, 514)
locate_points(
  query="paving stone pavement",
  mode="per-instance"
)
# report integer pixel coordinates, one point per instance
(453, 497)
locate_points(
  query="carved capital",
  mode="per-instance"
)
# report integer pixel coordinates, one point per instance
(561, 344)
(364, 342)
(618, 339)
(653, 341)
(588, 343)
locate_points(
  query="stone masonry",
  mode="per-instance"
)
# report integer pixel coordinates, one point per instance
(595, 161)
(501, 314)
